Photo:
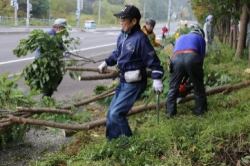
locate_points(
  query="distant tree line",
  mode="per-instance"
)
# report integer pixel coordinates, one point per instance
(157, 9)
(227, 15)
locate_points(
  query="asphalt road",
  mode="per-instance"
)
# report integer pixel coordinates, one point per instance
(93, 44)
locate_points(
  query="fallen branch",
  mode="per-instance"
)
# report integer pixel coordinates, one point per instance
(108, 74)
(85, 126)
(135, 110)
(44, 110)
(9, 122)
(92, 99)
(4, 120)
(111, 75)
(75, 68)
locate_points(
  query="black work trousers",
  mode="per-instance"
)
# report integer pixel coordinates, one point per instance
(192, 66)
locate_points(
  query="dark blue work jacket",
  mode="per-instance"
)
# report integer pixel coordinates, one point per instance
(134, 51)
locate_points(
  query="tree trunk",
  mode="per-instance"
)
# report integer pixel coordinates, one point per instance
(226, 27)
(231, 36)
(248, 35)
(234, 35)
(242, 35)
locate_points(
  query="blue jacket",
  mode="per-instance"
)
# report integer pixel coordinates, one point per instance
(134, 51)
(191, 41)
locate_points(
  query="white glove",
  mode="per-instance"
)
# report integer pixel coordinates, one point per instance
(157, 85)
(102, 67)
(66, 54)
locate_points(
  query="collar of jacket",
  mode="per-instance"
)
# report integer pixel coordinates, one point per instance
(137, 27)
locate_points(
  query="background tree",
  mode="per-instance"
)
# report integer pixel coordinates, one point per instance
(40, 8)
(5, 8)
(62, 8)
(88, 6)
(117, 2)
(243, 29)
(226, 16)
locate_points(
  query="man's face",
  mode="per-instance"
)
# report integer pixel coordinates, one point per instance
(127, 24)
(58, 29)
(149, 28)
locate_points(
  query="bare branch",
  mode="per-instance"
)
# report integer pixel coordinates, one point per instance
(92, 99)
(134, 110)
(75, 68)
(44, 110)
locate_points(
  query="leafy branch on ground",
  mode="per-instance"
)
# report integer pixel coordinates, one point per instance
(45, 72)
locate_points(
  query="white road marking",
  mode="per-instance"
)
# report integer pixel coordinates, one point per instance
(91, 48)
(17, 60)
(77, 50)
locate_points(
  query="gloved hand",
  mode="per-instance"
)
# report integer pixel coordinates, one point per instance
(102, 67)
(157, 85)
(66, 54)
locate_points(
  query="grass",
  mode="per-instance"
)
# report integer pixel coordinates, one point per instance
(220, 137)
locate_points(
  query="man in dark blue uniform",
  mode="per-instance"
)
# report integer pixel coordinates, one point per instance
(189, 53)
(133, 54)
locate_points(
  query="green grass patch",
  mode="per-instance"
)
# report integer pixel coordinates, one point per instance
(220, 137)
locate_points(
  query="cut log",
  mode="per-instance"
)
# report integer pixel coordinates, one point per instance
(44, 110)
(134, 110)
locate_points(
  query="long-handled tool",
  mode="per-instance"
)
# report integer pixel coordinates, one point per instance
(158, 106)
(68, 53)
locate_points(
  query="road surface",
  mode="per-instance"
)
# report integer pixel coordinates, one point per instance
(93, 44)
(96, 45)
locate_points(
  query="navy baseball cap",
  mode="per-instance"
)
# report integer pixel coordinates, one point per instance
(130, 11)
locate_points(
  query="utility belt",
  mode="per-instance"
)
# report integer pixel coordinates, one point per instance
(188, 51)
(132, 76)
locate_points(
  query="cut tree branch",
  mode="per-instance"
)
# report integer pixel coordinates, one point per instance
(108, 74)
(134, 110)
(44, 110)
(9, 122)
(92, 99)
(75, 68)
(85, 126)
(111, 75)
